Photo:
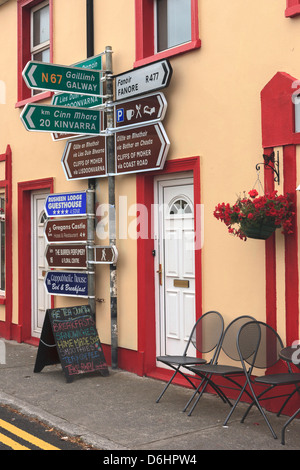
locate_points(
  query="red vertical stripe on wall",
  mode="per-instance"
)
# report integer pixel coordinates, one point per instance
(291, 250)
(270, 254)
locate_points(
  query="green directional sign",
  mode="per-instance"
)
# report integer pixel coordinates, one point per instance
(48, 118)
(81, 101)
(44, 76)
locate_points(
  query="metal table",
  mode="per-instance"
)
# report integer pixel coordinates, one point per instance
(287, 355)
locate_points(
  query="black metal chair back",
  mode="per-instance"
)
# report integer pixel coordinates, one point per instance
(205, 337)
(207, 333)
(259, 346)
(229, 341)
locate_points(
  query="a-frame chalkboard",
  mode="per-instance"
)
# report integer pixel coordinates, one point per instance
(69, 336)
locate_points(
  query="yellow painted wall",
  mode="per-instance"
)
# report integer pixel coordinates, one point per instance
(213, 112)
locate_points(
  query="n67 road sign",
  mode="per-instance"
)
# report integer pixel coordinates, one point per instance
(44, 76)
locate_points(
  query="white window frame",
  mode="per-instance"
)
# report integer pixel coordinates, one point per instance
(44, 45)
(156, 33)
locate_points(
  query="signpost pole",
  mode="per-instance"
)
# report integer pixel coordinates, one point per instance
(111, 201)
(90, 203)
(91, 207)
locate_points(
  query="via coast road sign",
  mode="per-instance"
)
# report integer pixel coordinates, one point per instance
(143, 79)
(44, 76)
(71, 284)
(48, 118)
(144, 148)
(66, 204)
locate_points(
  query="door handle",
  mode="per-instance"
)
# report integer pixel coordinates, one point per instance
(160, 274)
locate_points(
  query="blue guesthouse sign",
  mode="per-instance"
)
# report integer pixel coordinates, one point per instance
(67, 284)
(66, 204)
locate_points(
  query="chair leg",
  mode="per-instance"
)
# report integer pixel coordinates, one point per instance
(194, 394)
(217, 390)
(256, 402)
(183, 375)
(198, 398)
(287, 400)
(286, 425)
(235, 405)
(167, 385)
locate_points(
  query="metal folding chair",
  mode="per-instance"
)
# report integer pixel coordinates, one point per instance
(209, 372)
(204, 338)
(259, 346)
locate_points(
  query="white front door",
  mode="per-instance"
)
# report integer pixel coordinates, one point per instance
(174, 263)
(40, 300)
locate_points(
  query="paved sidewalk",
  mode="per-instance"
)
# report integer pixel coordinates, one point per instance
(119, 412)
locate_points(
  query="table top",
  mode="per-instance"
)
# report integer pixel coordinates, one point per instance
(291, 354)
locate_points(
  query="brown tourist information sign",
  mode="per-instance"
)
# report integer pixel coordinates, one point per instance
(140, 149)
(105, 254)
(85, 158)
(140, 110)
(66, 230)
(66, 256)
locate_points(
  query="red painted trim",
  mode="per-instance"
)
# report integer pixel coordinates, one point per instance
(278, 123)
(144, 33)
(128, 360)
(270, 257)
(24, 7)
(292, 8)
(292, 11)
(145, 262)
(5, 327)
(144, 27)
(169, 53)
(277, 111)
(24, 248)
(34, 99)
(291, 250)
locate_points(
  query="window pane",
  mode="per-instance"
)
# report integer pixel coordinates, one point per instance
(173, 23)
(41, 31)
(42, 56)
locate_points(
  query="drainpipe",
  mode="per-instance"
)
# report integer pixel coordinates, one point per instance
(90, 27)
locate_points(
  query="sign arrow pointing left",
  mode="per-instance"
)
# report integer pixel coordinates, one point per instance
(47, 118)
(30, 121)
(30, 74)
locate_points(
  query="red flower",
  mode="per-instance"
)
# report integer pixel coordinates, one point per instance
(253, 193)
